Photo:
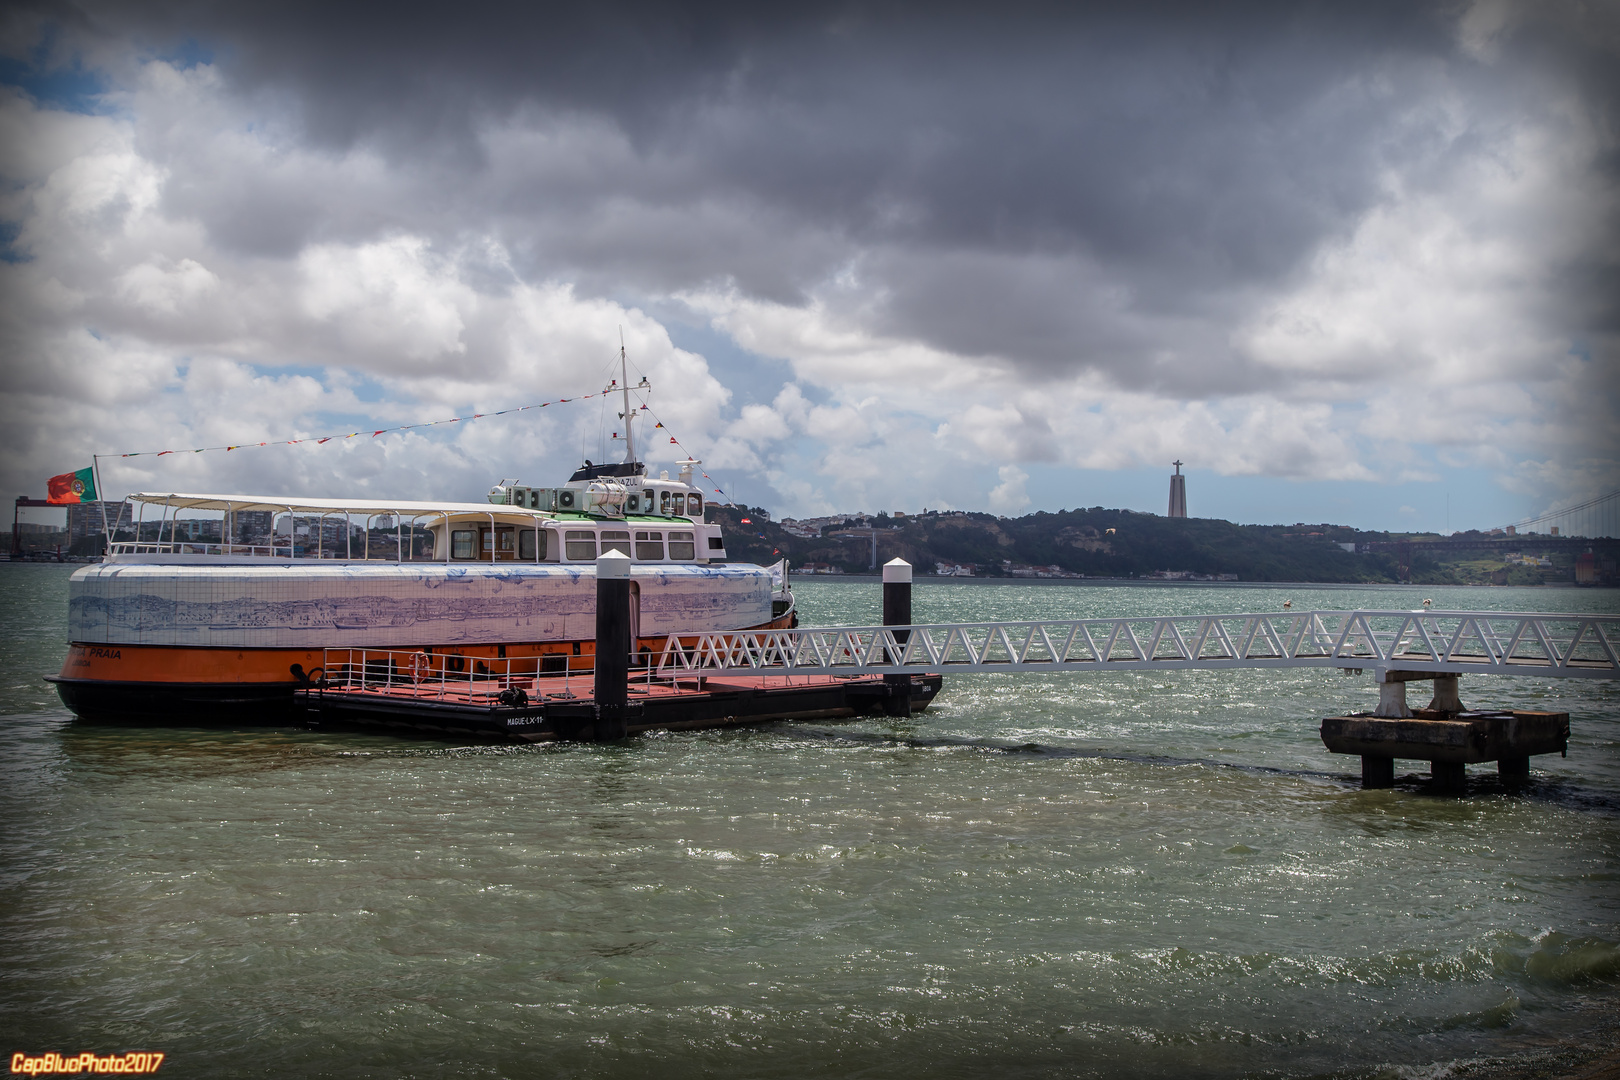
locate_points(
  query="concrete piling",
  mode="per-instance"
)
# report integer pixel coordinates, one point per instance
(1449, 742)
(1446, 698)
(1448, 776)
(1391, 697)
(1377, 772)
(1392, 693)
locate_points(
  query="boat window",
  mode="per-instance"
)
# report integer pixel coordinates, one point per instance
(461, 544)
(615, 540)
(650, 546)
(681, 546)
(663, 502)
(580, 544)
(694, 504)
(527, 540)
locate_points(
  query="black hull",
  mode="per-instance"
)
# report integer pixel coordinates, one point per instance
(198, 705)
(179, 703)
(720, 705)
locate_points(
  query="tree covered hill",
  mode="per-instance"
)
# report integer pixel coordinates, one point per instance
(1095, 542)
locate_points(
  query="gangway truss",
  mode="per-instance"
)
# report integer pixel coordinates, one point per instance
(1445, 642)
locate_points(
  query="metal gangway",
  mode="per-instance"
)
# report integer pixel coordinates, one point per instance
(1442, 642)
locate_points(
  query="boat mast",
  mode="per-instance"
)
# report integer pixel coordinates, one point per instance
(628, 414)
(622, 384)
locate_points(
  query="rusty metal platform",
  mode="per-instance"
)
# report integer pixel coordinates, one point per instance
(543, 708)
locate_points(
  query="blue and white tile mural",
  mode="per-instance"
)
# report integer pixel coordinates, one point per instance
(394, 605)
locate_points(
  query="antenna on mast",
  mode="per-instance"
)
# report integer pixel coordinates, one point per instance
(629, 416)
(622, 384)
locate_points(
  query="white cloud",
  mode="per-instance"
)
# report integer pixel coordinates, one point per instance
(132, 328)
(388, 299)
(1009, 496)
(166, 290)
(831, 349)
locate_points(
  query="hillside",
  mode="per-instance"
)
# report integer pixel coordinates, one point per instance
(1103, 543)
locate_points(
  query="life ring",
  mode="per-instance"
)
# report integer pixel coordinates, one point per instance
(420, 666)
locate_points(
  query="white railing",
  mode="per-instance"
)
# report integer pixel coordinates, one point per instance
(197, 547)
(221, 550)
(445, 677)
(1481, 642)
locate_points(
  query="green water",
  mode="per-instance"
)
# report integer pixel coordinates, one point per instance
(1138, 875)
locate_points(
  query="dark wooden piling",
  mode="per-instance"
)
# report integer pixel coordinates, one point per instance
(612, 681)
(897, 612)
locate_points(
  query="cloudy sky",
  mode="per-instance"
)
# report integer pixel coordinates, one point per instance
(1350, 262)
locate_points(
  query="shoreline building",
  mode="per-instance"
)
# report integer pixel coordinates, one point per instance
(86, 519)
(1178, 493)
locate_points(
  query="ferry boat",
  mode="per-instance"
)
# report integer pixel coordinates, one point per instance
(187, 627)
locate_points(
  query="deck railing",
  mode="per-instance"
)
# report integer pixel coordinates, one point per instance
(198, 547)
(452, 677)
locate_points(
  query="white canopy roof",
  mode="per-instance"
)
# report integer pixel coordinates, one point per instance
(182, 501)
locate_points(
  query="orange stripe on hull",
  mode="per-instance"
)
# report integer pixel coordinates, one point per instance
(192, 666)
(169, 664)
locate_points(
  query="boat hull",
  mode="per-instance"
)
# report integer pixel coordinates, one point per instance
(231, 643)
(105, 701)
(394, 605)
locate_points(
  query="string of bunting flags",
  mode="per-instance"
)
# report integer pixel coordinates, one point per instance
(323, 439)
(320, 439)
(658, 425)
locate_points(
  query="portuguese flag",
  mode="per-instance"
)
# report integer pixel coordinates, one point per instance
(71, 487)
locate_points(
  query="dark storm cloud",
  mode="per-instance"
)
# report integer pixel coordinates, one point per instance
(1185, 138)
(1196, 153)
